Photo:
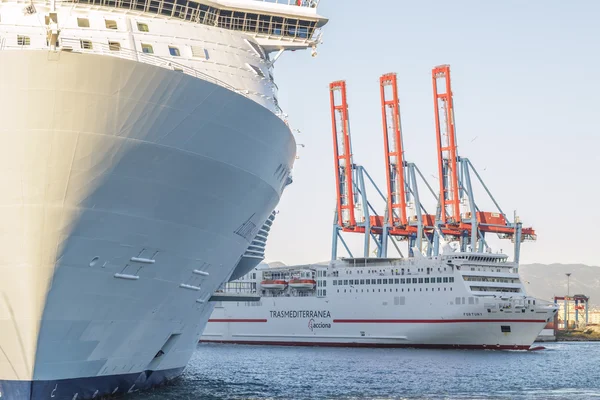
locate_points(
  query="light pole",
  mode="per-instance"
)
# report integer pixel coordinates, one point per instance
(568, 274)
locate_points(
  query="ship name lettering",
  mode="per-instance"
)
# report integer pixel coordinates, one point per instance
(472, 314)
(301, 314)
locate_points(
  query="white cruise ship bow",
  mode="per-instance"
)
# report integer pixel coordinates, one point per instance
(143, 150)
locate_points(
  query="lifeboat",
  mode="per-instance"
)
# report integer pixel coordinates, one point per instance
(302, 283)
(273, 284)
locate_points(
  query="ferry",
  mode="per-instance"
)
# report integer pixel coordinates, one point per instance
(459, 300)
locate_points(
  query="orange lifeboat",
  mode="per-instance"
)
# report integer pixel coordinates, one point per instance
(273, 284)
(302, 283)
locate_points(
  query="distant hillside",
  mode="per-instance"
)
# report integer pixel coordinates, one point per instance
(546, 281)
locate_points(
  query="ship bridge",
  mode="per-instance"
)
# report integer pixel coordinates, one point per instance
(275, 24)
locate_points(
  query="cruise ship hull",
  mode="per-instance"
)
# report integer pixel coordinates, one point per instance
(130, 193)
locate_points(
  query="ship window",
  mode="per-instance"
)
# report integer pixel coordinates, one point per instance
(362, 281)
(451, 279)
(114, 46)
(385, 281)
(345, 281)
(199, 52)
(23, 40)
(505, 328)
(83, 22)
(334, 283)
(439, 280)
(426, 280)
(174, 51)
(379, 281)
(414, 280)
(256, 70)
(86, 44)
(147, 48)
(110, 24)
(402, 280)
(368, 281)
(445, 280)
(142, 27)
(420, 280)
(324, 292)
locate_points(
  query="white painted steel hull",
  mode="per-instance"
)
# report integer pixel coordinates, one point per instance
(424, 323)
(104, 160)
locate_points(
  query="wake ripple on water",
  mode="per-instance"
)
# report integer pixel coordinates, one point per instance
(232, 372)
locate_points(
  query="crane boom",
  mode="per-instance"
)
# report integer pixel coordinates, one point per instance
(394, 151)
(342, 150)
(446, 145)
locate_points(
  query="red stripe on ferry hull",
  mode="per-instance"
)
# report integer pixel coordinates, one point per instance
(375, 345)
(237, 320)
(430, 321)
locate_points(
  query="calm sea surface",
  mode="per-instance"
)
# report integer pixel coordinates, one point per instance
(562, 371)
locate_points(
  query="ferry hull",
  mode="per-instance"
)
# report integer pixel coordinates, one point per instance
(397, 330)
(130, 192)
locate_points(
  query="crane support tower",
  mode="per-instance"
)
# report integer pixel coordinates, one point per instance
(446, 143)
(351, 182)
(401, 177)
(456, 183)
(394, 152)
(342, 151)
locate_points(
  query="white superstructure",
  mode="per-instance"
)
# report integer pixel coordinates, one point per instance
(456, 300)
(143, 151)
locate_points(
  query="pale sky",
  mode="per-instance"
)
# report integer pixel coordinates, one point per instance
(525, 77)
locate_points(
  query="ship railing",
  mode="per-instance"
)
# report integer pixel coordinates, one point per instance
(115, 50)
(300, 3)
(292, 28)
(237, 287)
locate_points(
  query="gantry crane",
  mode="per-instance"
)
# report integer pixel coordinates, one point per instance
(456, 184)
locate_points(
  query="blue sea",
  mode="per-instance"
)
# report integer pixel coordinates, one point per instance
(561, 371)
